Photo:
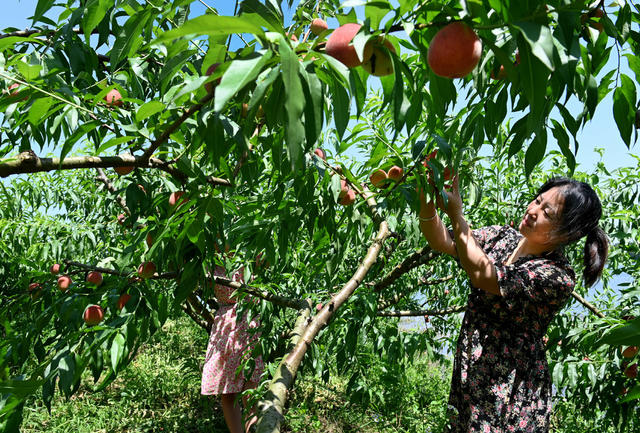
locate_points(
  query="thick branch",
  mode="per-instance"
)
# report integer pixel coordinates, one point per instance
(408, 313)
(416, 259)
(276, 299)
(204, 314)
(195, 317)
(271, 410)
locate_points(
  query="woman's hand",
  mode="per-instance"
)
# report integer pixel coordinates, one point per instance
(453, 207)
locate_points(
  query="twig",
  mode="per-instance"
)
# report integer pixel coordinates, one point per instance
(409, 313)
(104, 179)
(167, 132)
(587, 304)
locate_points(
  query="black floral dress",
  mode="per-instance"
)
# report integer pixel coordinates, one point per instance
(501, 380)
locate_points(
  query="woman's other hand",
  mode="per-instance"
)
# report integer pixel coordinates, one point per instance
(453, 208)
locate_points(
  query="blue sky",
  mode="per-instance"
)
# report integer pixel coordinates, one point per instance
(600, 132)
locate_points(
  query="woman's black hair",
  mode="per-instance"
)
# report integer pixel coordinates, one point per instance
(580, 217)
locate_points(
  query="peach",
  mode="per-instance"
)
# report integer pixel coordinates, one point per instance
(395, 173)
(339, 45)
(146, 270)
(64, 282)
(94, 277)
(378, 178)
(122, 300)
(55, 269)
(122, 171)
(377, 61)
(93, 315)
(348, 199)
(114, 98)
(321, 153)
(318, 26)
(454, 51)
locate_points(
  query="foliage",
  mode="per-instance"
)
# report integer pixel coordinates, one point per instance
(253, 182)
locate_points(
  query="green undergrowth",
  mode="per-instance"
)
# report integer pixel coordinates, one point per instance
(160, 392)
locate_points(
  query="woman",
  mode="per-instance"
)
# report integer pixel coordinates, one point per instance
(230, 343)
(519, 282)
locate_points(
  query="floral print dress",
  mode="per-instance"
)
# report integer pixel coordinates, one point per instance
(229, 344)
(501, 381)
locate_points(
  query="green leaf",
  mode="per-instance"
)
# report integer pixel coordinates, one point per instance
(117, 349)
(66, 368)
(20, 388)
(38, 110)
(239, 74)
(95, 10)
(624, 109)
(633, 394)
(212, 25)
(341, 107)
(294, 103)
(562, 138)
(535, 152)
(149, 109)
(128, 39)
(540, 40)
(627, 334)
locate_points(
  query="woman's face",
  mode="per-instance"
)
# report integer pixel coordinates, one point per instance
(542, 218)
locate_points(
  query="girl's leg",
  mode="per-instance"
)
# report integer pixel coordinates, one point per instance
(232, 412)
(252, 417)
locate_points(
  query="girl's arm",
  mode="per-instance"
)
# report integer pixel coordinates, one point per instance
(473, 259)
(433, 229)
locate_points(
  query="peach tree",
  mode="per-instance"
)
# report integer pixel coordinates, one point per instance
(166, 133)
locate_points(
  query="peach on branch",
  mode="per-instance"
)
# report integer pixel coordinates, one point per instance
(631, 371)
(146, 270)
(94, 277)
(93, 315)
(121, 218)
(321, 153)
(174, 198)
(344, 188)
(454, 51)
(149, 240)
(377, 61)
(211, 85)
(378, 178)
(64, 282)
(339, 45)
(630, 352)
(122, 171)
(395, 173)
(33, 286)
(122, 300)
(318, 307)
(55, 269)
(318, 26)
(114, 98)
(348, 199)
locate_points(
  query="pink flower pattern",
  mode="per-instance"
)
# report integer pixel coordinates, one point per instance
(229, 344)
(501, 379)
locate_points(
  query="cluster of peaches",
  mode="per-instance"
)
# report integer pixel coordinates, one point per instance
(93, 314)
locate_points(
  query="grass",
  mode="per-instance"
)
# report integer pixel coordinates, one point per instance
(160, 392)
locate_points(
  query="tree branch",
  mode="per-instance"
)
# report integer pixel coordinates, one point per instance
(409, 313)
(416, 259)
(271, 408)
(104, 179)
(175, 125)
(587, 304)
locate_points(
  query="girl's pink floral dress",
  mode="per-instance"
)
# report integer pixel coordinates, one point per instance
(501, 380)
(229, 345)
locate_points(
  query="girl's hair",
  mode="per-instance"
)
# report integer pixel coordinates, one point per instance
(581, 213)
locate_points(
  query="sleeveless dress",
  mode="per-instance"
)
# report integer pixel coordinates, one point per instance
(229, 345)
(501, 381)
